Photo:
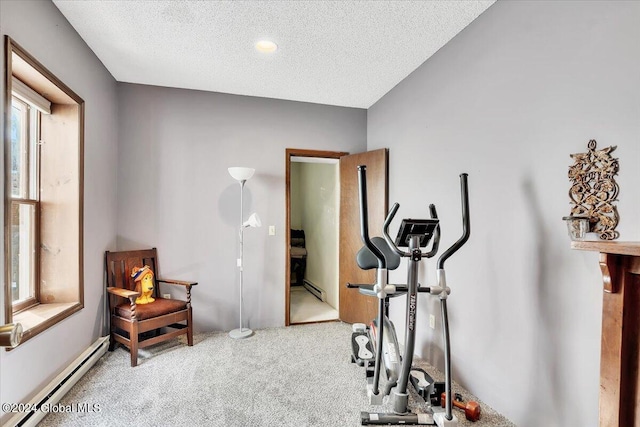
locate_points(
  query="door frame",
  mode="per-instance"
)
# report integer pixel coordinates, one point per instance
(295, 152)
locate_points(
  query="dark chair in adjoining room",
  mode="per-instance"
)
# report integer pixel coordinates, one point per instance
(298, 253)
(131, 276)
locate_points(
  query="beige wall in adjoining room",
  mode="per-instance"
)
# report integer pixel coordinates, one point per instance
(319, 201)
(294, 188)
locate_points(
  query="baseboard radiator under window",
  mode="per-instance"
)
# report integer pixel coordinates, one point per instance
(315, 290)
(56, 389)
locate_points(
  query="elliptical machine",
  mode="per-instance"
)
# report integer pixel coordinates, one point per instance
(384, 255)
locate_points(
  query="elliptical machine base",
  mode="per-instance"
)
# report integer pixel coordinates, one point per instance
(370, 418)
(441, 420)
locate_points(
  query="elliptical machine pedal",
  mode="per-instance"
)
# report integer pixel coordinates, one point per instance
(361, 348)
(422, 383)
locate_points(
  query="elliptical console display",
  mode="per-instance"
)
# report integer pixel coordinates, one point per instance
(423, 228)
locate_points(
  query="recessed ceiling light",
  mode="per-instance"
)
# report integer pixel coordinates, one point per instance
(266, 46)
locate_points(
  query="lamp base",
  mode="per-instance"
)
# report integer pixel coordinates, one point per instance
(240, 333)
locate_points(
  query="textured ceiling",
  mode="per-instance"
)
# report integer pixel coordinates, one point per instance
(347, 53)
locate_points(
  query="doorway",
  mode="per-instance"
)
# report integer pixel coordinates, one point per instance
(313, 186)
(351, 305)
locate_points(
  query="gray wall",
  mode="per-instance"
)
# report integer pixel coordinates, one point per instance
(507, 101)
(39, 28)
(175, 192)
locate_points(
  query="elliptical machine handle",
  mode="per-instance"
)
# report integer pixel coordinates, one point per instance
(385, 231)
(466, 223)
(436, 233)
(391, 243)
(381, 280)
(364, 218)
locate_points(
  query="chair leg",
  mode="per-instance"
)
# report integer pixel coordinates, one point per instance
(189, 328)
(303, 268)
(112, 340)
(133, 340)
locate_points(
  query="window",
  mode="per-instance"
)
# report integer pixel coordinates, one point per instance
(43, 188)
(24, 204)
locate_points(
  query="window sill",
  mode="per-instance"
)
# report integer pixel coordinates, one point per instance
(42, 316)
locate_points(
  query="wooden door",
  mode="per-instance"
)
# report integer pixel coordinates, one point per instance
(355, 307)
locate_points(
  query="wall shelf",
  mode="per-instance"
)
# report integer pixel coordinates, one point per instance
(619, 248)
(620, 342)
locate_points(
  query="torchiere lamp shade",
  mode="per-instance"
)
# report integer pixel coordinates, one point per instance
(240, 173)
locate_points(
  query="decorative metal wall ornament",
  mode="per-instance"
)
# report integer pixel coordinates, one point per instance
(594, 189)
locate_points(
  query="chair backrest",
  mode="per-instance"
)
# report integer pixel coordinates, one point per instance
(119, 265)
(297, 238)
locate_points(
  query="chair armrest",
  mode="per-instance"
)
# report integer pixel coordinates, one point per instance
(124, 293)
(187, 285)
(177, 282)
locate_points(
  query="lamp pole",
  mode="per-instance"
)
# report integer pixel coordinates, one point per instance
(241, 246)
(241, 175)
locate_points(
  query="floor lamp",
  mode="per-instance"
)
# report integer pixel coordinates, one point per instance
(242, 175)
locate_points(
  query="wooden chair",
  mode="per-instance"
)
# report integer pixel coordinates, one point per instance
(298, 253)
(140, 325)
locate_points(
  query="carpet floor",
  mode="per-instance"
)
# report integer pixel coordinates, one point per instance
(291, 377)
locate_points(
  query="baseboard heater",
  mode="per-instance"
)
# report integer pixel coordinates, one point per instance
(316, 291)
(56, 389)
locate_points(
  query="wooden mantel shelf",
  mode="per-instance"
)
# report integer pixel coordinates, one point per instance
(609, 247)
(620, 342)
